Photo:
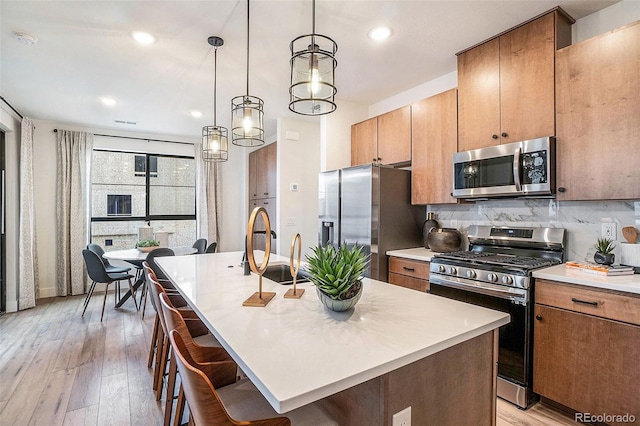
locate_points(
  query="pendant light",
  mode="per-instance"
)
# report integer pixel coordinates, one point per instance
(313, 66)
(247, 113)
(215, 141)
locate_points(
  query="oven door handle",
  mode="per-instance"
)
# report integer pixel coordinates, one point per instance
(475, 287)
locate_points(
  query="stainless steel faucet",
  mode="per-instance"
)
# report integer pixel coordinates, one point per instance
(245, 258)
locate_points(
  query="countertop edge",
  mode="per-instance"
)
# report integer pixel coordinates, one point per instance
(625, 284)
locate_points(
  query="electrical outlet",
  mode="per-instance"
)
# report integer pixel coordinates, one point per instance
(402, 418)
(608, 230)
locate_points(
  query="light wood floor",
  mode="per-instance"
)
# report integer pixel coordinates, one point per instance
(57, 368)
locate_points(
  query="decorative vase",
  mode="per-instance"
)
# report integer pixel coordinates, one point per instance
(339, 305)
(431, 222)
(604, 259)
(445, 240)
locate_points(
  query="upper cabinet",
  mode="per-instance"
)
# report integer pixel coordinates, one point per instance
(262, 172)
(385, 139)
(364, 142)
(435, 140)
(598, 117)
(506, 85)
(394, 136)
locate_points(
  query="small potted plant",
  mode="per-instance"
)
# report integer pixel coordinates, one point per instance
(337, 274)
(604, 255)
(147, 245)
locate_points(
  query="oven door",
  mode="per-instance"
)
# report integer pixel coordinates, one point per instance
(514, 358)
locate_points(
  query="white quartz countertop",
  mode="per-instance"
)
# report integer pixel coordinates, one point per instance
(625, 283)
(296, 351)
(417, 253)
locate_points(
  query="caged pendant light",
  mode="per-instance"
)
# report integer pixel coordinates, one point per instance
(247, 113)
(313, 66)
(215, 141)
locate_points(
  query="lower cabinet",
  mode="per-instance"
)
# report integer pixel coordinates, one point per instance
(408, 273)
(587, 362)
(269, 204)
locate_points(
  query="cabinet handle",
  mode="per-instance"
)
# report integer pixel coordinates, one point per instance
(504, 135)
(562, 189)
(494, 136)
(408, 269)
(265, 203)
(573, 299)
(539, 317)
(265, 193)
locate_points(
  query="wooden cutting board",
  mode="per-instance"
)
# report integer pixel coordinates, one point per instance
(630, 234)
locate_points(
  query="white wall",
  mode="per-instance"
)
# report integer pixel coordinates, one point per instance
(298, 162)
(335, 134)
(615, 16)
(10, 124)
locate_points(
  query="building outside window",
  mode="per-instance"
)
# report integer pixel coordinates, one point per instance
(128, 189)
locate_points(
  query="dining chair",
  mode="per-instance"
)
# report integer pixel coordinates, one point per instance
(238, 403)
(202, 346)
(161, 277)
(98, 274)
(200, 245)
(111, 269)
(212, 247)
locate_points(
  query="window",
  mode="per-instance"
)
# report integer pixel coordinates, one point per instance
(124, 196)
(118, 205)
(141, 165)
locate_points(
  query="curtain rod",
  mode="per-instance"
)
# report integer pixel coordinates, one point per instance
(11, 106)
(131, 137)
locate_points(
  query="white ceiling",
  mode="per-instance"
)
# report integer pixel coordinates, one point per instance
(85, 52)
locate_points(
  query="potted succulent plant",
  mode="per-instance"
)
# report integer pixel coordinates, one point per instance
(337, 274)
(603, 255)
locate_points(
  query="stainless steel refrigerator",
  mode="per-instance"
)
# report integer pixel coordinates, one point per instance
(371, 206)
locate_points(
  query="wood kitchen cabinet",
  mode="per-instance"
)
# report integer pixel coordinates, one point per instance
(598, 117)
(434, 129)
(586, 353)
(506, 85)
(409, 273)
(262, 172)
(263, 165)
(385, 139)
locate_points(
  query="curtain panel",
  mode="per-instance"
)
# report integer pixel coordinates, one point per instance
(209, 195)
(74, 151)
(27, 257)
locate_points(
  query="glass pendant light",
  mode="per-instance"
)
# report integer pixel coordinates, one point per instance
(247, 113)
(215, 141)
(313, 66)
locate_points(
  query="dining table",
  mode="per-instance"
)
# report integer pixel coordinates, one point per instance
(396, 348)
(135, 257)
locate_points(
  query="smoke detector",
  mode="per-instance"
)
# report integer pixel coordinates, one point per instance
(25, 38)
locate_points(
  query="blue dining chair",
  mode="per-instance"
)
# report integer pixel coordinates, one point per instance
(98, 274)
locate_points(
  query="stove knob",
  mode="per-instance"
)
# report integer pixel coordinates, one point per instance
(492, 277)
(441, 268)
(452, 270)
(507, 279)
(471, 274)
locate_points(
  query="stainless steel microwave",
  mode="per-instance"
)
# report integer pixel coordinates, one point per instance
(524, 168)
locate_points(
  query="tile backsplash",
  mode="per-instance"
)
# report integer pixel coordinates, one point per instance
(581, 219)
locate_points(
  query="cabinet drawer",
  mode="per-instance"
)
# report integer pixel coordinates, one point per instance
(409, 282)
(600, 303)
(410, 268)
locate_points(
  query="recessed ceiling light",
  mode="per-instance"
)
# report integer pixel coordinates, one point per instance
(108, 101)
(142, 37)
(196, 114)
(25, 38)
(380, 33)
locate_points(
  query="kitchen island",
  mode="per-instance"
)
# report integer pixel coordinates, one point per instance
(397, 348)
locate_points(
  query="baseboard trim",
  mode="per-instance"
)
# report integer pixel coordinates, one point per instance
(46, 292)
(12, 306)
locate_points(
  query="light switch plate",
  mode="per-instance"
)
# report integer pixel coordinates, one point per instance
(291, 221)
(402, 418)
(293, 187)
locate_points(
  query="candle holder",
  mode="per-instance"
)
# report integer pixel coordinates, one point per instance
(259, 298)
(294, 293)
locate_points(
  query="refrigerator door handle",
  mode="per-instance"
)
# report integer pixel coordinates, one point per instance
(3, 200)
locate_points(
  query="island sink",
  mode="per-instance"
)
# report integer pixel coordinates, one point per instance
(281, 274)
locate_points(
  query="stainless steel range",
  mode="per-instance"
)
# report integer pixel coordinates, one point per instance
(496, 273)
